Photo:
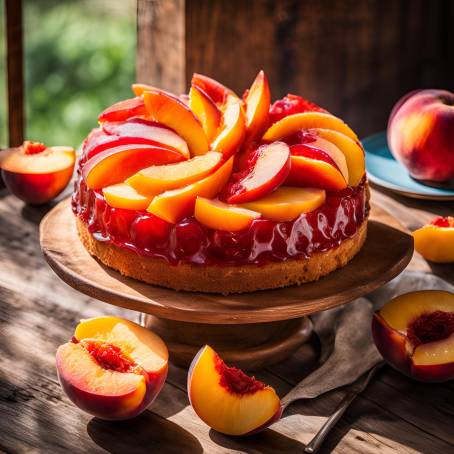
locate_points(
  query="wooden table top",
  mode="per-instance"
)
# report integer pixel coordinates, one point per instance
(38, 312)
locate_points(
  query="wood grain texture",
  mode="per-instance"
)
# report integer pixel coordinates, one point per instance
(384, 255)
(38, 312)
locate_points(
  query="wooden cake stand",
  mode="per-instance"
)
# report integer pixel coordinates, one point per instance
(250, 330)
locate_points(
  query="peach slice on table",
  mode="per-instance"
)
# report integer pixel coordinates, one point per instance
(121, 195)
(149, 132)
(268, 169)
(176, 204)
(214, 89)
(414, 333)
(156, 179)
(352, 150)
(114, 165)
(206, 110)
(435, 241)
(228, 400)
(220, 216)
(257, 107)
(35, 173)
(306, 120)
(175, 114)
(123, 110)
(112, 368)
(287, 203)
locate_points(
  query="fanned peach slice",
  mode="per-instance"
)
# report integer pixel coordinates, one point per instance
(352, 150)
(268, 169)
(415, 334)
(114, 165)
(232, 131)
(257, 107)
(306, 120)
(124, 196)
(140, 89)
(206, 110)
(227, 399)
(172, 112)
(123, 110)
(215, 90)
(149, 132)
(112, 368)
(220, 216)
(174, 205)
(36, 173)
(287, 203)
(156, 179)
(435, 241)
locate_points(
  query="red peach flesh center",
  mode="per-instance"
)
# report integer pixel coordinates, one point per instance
(444, 222)
(30, 148)
(431, 327)
(235, 380)
(108, 356)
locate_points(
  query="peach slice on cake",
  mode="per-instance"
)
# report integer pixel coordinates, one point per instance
(306, 120)
(227, 399)
(174, 113)
(123, 110)
(121, 195)
(116, 164)
(35, 173)
(221, 216)
(287, 203)
(435, 241)
(214, 89)
(267, 169)
(414, 333)
(112, 368)
(174, 205)
(156, 179)
(140, 89)
(206, 110)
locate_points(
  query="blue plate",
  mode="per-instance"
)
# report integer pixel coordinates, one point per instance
(385, 171)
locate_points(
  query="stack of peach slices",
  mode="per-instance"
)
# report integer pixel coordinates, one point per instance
(210, 161)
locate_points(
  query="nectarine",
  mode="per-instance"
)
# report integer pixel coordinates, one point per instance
(123, 110)
(214, 89)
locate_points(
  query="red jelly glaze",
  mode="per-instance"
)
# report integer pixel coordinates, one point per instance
(292, 104)
(235, 380)
(431, 327)
(447, 222)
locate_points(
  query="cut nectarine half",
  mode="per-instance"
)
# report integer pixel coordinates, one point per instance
(112, 368)
(228, 400)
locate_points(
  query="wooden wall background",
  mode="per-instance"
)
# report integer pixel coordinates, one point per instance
(354, 57)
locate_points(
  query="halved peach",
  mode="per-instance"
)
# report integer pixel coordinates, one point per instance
(123, 110)
(112, 368)
(257, 107)
(352, 150)
(206, 110)
(435, 241)
(307, 120)
(268, 169)
(414, 333)
(121, 195)
(174, 205)
(149, 132)
(287, 203)
(214, 89)
(114, 165)
(172, 112)
(227, 399)
(232, 130)
(220, 216)
(35, 173)
(156, 179)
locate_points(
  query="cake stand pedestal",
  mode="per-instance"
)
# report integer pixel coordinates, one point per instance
(250, 330)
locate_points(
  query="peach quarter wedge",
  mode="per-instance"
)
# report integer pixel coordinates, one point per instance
(112, 368)
(414, 333)
(220, 216)
(174, 205)
(307, 120)
(287, 203)
(206, 111)
(174, 113)
(157, 179)
(121, 195)
(228, 400)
